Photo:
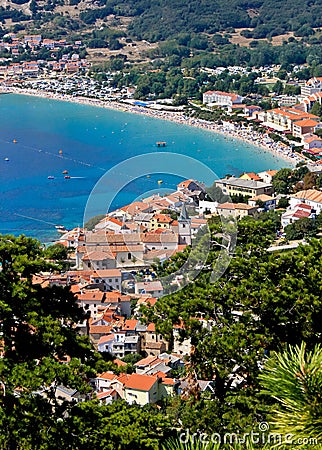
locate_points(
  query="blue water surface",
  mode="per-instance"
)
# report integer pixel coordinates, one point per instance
(53, 136)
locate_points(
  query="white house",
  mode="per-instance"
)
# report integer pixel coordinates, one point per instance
(110, 278)
(301, 211)
(312, 86)
(311, 197)
(221, 98)
(154, 288)
(311, 141)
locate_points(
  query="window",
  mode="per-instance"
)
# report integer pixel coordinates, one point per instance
(129, 256)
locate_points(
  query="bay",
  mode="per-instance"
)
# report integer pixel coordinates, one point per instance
(43, 137)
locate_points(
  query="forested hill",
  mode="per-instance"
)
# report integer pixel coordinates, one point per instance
(161, 19)
(164, 19)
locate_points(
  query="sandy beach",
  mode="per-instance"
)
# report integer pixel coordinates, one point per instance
(228, 130)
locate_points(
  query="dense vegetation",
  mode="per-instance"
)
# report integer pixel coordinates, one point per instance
(189, 34)
(262, 303)
(164, 19)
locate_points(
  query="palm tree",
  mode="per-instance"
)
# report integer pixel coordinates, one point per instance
(294, 379)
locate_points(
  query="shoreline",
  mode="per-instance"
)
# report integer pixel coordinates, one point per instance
(251, 137)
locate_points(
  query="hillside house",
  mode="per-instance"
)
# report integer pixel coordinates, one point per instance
(236, 209)
(220, 98)
(311, 197)
(312, 86)
(248, 188)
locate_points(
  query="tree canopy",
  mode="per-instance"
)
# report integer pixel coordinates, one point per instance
(41, 351)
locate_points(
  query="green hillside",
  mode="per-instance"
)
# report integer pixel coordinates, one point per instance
(164, 19)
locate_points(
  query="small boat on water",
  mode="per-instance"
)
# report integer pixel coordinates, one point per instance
(65, 172)
(160, 181)
(61, 229)
(14, 141)
(50, 177)
(6, 159)
(60, 152)
(67, 177)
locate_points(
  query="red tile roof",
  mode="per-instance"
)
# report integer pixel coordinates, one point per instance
(100, 329)
(185, 184)
(312, 139)
(162, 218)
(98, 296)
(130, 324)
(151, 327)
(140, 382)
(105, 273)
(148, 361)
(107, 376)
(104, 394)
(119, 363)
(306, 123)
(105, 339)
(252, 176)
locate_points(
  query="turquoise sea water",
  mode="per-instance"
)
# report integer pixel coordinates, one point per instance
(93, 140)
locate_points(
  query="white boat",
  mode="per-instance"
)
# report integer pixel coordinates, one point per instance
(61, 229)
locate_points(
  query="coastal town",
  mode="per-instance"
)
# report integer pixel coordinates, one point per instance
(147, 303)
(113, 276)
(289, 130)
(112, 265)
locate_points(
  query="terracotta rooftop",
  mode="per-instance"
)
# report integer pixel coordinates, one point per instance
(101, 395)
(119, 363)
(92, 295)
(98, 256)
(151, 327)
(140, 382)
(100, 329)
(105, 273)
(309, 194)
(130, 324)
(162, 218)
(148, 361)
(252, 176)
(306, 123)
(240, 206)
(310, 139)
(105, 339)
(184, 184)
(107, 376)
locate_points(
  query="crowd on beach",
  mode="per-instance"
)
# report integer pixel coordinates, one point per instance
(228, 129)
